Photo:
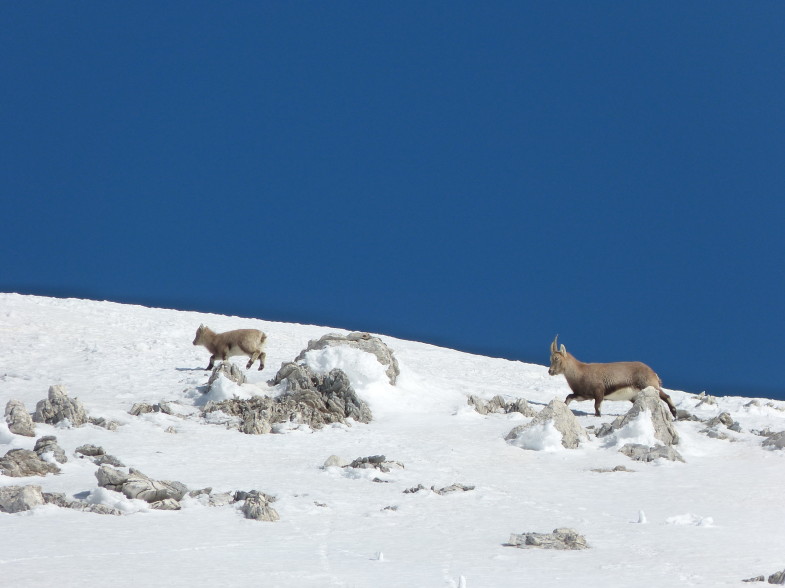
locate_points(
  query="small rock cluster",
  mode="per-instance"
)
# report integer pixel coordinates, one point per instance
(375, 462)
(777, 578)
(638, 452)
(648, 400)
(497, 404)
(564, 539)
(440, 491)
(311, 399)
(563, 420)
(363, 342)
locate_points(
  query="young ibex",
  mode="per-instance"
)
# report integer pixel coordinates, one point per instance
(248, 342)
(604, 381)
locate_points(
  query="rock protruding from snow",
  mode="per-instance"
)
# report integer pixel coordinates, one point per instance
(48, 445)
(19, 420)
(160, 494)
(362, 341)
(20, 463)
(60, 500)
(20, 498)
(257, 507)
(560, 417)
(638, 452)
(98, 456)
(648, 401)
(229, 371)
(565, 539)
(775, 441)
(777, 578)
(497, 404)
(378, 462)
(58, 407)
(311, 399)
(144, 408)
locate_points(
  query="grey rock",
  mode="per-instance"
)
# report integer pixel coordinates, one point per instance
(20, 463)
(618, 468)
(61, 501)
(111, 478)
(647, 400)
(166, 504)
(229, 371)
(497, 404)
(311, 399)
(378, 462)
(89, 450)
(142, 487)
(777, 578)
(104, 423)
(775, 441)
(452, 488)
(20, 498)
(563, 420)
(363, 342)
(98, 456)
(49, 444)
(19, 420)
(756, 579)
(144, 408)
(257, 507)
(59, 407)
(564, 539)
(638, 452)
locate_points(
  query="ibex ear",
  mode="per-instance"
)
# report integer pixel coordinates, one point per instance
(563, 349)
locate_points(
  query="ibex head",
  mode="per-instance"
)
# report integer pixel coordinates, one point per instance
(557, 358)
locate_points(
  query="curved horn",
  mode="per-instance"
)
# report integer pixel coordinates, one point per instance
(554, 345)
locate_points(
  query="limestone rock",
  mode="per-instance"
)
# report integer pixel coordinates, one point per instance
(257, 507)
(563, 420)
(19, 420)
(98, 456)
(59, 407)
(49, 444)
(565, 539)
(228, 370)
(20, 463)
(775, 441)
(60, 500)
(363, 342)
(497, 404)
(20, 498)
(378, 462)
(311, 399)
(647, 400)
(638, 452)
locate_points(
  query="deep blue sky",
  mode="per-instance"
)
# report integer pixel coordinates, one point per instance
(479, 175)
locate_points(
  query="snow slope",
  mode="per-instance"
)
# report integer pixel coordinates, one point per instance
(711, 521)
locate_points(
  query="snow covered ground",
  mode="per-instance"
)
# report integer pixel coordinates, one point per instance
(712, 521)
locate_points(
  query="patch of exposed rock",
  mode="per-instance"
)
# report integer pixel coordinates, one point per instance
(98, 456)
(440, 491)
(311, 399)
(257, 507)
(638, 452)
(20, 498)
(362, 341)
(60, 500)
(144, 408)
(497, 404)
(58, 407)
(647, 401)
(229, 371)
(378, 462)
(775, 441)
(160, 494)
(563, 420)
(20, 463)
(48, 445)
(565, 539)
(18, 419)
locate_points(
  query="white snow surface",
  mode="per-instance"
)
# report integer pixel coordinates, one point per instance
(712, 521)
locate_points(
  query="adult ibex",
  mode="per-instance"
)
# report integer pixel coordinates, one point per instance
(604, 381)
(248, 342)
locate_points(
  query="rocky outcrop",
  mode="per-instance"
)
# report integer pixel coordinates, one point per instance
(98, 456)
(565, 539)
(20, 498)
(58, 407)
(563, 420)
(648, 401)
(60, 500)
(775, 441)
(311, 399)
(363, 342)
(20, 463)
(144, 408)
(497, 404)
(378, 462)
(229, 371)
(48, 445)
(638, 452)
(18, 419)
(160, 494)
(257, 507)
